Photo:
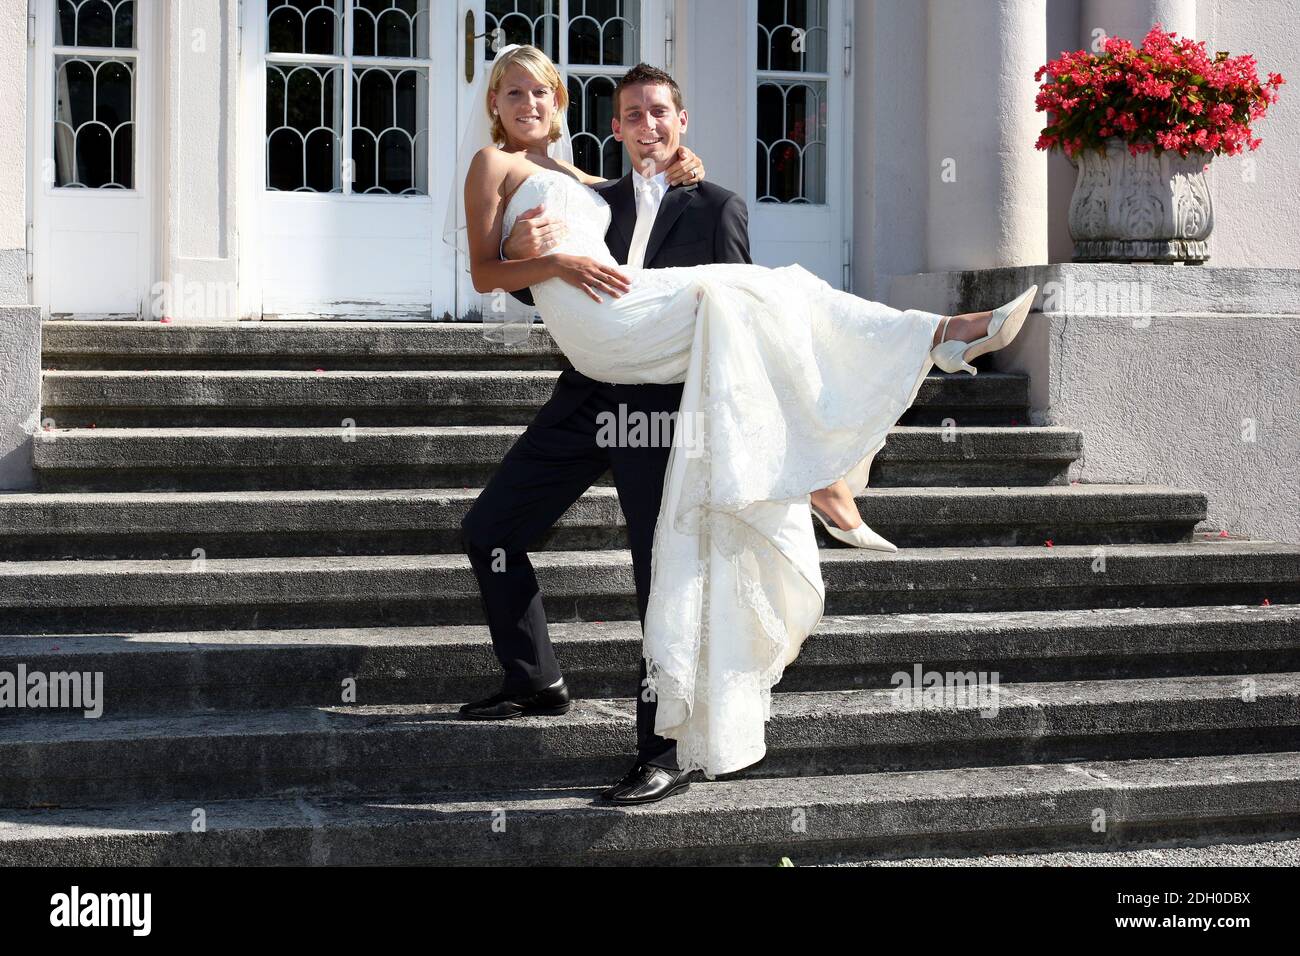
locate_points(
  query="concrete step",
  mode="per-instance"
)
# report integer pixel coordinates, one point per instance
(302, 346)
(170, 672)
(204, 593)
(755, 821)
(1279, 850)
(171, 524)
(196, 459)
(242, 397)
(68, 760)
(323, 399)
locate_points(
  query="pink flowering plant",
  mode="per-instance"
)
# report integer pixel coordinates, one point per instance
(1166, 94)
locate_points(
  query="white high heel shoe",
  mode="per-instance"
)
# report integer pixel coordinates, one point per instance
(1003, 325)
(859, 537)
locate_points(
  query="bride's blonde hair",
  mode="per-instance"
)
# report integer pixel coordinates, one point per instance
(540, 68)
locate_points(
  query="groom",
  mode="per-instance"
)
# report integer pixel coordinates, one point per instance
(558, 457)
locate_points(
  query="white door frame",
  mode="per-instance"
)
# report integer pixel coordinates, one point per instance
(251, 172)
(123, 219)
(826, 228)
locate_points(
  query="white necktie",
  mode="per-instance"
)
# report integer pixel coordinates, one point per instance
(649, 193)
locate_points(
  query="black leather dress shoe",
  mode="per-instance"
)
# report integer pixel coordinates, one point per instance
(551, 701)
(646, 783)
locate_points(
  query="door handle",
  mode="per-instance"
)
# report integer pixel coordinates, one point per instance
(469, 46)
(470, 36)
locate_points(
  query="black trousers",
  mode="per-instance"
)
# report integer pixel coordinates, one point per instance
(543, 473)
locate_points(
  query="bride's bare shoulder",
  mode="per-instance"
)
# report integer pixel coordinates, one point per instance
(495, 171)
(491, 162)
(494, 167)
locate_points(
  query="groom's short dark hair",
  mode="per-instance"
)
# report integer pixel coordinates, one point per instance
(645, 73)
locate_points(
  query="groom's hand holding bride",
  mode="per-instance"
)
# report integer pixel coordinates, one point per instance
(590, 275)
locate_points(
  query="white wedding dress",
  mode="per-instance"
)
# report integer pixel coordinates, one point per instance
(789, 385)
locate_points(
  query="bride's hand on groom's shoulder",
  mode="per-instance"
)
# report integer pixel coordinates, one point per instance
(590, 275)
(534, 234)
(688, 170)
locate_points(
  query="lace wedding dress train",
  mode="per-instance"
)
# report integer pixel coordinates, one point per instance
(789, 385)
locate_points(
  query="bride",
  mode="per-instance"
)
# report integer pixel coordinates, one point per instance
(791, 387)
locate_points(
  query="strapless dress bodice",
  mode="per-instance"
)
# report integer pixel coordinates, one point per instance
(580, 207)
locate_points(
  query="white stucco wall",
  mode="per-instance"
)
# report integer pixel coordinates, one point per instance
(1256, 197)
(13, 153)
(1219, 419)
(890, 177)
(20, 327)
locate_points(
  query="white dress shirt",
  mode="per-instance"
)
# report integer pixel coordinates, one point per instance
(649, 194)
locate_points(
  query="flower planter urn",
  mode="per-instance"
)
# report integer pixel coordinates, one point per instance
(1143, 208)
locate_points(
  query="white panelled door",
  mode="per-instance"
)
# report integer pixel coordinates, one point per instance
(799, 125)
(352, 140)
(94, 177)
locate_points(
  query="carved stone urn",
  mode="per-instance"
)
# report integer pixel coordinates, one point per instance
(1142, 208)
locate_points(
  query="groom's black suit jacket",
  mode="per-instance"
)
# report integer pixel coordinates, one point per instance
(696, 225)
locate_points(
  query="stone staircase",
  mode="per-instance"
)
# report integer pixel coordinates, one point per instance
(238, 522)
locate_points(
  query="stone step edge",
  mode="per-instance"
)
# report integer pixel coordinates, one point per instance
(548, 375)
(12, 499)
(620, 559)
(52, 728)
(1061, 803)
(1004, 623)
(52, 514)
(439, 431)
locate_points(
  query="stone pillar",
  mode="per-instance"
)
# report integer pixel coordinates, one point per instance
(1131, 19)
(987, 203)
(200, 80)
